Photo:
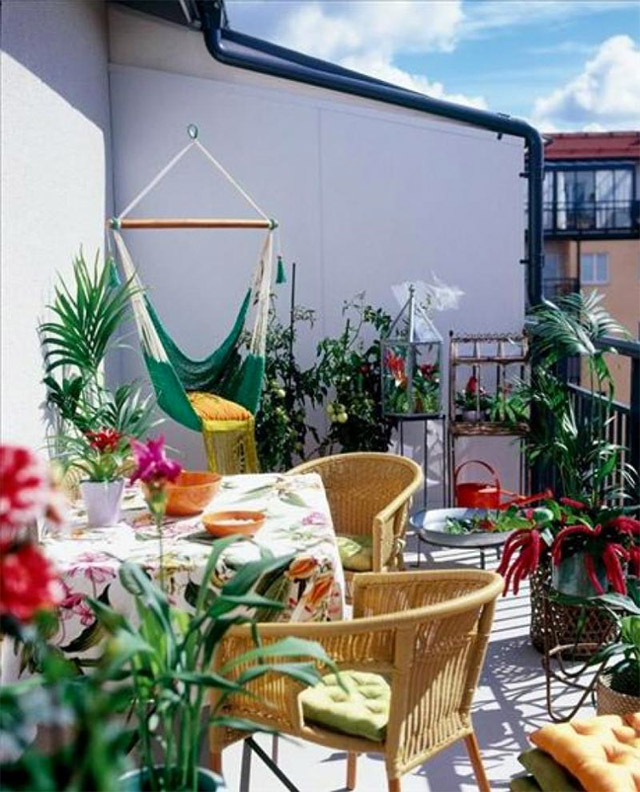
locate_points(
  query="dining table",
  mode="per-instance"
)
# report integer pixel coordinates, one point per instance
(297, 527)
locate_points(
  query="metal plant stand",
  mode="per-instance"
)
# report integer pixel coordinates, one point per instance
(440, 418)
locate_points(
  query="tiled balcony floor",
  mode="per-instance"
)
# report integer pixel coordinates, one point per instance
(509, 704)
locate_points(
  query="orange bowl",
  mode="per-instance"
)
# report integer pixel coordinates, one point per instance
(227, 523)
(191, 492)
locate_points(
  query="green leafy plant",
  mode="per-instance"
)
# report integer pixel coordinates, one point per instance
(86, 317)
(87, 313)
(621, 658)
(282, 428)
(82, 714)
(508, 405)
(575, 445)
(168, 660)
(348, 377)
(99, 456)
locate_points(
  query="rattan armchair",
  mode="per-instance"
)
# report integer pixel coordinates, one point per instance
(425, 632)
(369, 493)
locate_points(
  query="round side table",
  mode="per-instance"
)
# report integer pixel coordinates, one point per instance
(426, 522)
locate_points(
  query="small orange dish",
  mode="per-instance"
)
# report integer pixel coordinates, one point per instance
(192, 492)
(227, 523)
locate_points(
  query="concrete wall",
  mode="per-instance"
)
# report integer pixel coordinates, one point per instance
(54, 143)
(367, 195)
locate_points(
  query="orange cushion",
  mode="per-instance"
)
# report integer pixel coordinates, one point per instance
(210, 407)
(603, 753)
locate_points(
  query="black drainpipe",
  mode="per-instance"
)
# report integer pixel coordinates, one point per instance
(246, 52)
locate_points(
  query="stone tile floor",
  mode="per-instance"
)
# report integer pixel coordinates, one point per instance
(509, 704)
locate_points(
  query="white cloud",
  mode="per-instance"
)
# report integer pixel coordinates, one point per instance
(483, 18)
(365, 36)
(372, 35)
(381, 68)
(606, 94)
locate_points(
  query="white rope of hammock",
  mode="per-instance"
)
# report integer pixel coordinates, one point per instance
(261, 280)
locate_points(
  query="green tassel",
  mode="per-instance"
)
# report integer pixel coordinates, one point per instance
(114, 275)
(281, 275)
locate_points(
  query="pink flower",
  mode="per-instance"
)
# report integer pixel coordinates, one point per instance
(89, 568)
(152, 465)
(314, 518)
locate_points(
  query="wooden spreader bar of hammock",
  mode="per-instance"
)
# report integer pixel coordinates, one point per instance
(186, 222)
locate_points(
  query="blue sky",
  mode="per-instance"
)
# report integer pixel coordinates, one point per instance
(562, 64)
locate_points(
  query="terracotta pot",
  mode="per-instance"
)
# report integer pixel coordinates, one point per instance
(102, 500)
(192, 492)
(610, 702)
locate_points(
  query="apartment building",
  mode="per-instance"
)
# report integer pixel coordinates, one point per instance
(592, 230)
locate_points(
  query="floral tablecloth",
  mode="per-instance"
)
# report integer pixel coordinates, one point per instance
(298, 523)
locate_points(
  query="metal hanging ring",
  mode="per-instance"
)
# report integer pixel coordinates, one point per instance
(192, 131)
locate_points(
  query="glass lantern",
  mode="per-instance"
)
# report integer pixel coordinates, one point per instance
(411, 364)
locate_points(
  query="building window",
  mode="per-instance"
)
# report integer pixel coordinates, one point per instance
(553, 266)
(594, 268)
(586, 199)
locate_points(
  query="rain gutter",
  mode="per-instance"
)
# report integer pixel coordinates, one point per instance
(246, 52)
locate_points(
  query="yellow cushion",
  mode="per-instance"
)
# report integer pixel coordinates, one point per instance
(603, 753)
(210, 407)
(361, 710)
(356, 552)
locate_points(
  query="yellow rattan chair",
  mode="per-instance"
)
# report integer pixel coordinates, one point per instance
(425, 632)
(369, 494)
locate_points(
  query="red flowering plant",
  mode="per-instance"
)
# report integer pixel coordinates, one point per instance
(473, 397)
(28, 582)
(101, 455)
(604, 542)
(425, 385)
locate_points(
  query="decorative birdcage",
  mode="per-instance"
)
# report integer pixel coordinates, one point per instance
(411, 363)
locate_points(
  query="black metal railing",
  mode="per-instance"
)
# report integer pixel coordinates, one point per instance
(585, 217)
(559, 287)
(622, 425)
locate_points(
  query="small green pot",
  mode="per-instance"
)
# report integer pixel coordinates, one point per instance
(570, 576)
(134, 781)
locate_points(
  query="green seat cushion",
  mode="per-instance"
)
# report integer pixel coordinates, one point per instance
(551, 776)
(361, 710)
(356, 552)
(524, 784)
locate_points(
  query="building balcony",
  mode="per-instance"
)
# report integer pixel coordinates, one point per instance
(591, 219)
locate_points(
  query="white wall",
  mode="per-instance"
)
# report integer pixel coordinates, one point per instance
(367, 195)
(54, 138)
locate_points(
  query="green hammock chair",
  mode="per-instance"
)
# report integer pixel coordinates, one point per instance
(219, 394)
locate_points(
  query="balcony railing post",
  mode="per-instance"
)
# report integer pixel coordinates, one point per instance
(634, 415)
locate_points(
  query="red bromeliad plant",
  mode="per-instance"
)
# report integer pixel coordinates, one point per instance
(604, 537)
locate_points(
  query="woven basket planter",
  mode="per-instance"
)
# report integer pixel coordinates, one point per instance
(610, 702)
(555, 624)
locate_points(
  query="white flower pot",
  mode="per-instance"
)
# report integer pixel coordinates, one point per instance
(102, 500)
